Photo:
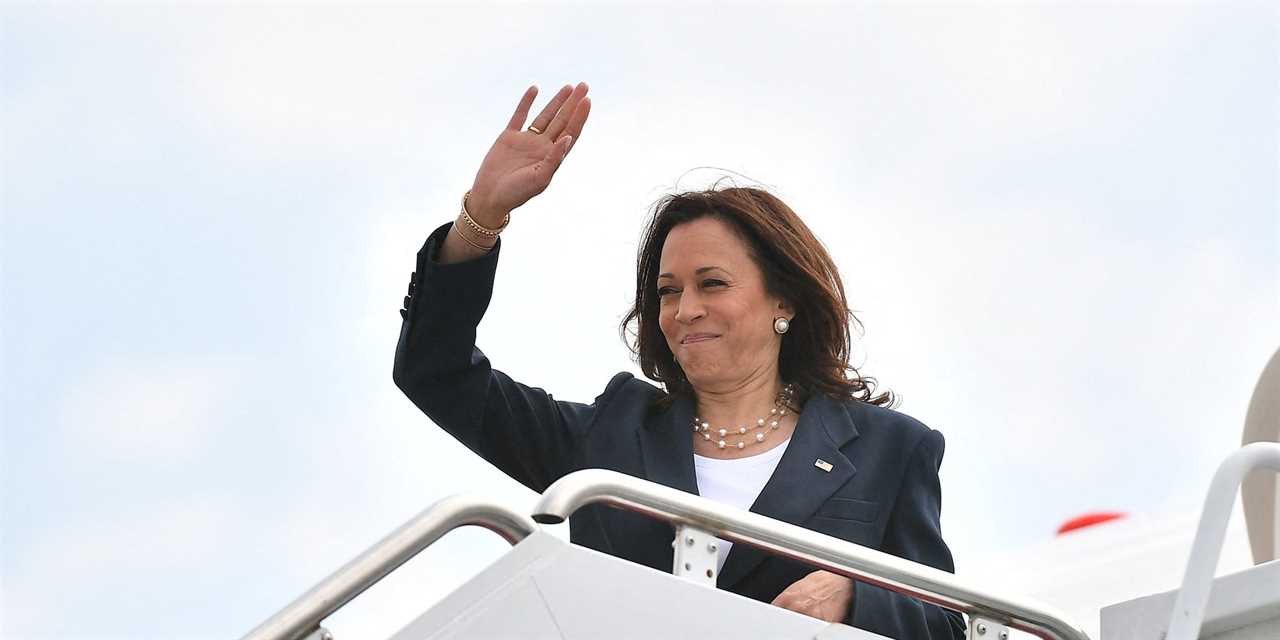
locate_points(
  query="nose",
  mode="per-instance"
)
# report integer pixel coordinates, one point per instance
(690, 307)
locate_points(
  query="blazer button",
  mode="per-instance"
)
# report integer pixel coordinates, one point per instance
(412, 286)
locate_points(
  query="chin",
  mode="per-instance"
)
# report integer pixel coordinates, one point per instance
(701, 377)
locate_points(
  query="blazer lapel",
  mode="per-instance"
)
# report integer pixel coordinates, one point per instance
(801, 483)
(666, 450)
(666, 446)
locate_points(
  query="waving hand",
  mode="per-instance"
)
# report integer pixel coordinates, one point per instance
(521, 162)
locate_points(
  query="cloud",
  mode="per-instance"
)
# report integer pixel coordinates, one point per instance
(107, 564)
(140, 411)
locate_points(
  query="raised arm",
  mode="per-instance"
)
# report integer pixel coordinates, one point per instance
(520, 429)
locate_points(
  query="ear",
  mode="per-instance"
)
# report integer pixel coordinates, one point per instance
(785, 309)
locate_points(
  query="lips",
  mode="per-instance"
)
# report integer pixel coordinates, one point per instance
(698, 337)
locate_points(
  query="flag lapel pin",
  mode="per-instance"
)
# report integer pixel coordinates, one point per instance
(822, 464)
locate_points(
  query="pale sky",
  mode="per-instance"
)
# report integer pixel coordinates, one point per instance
(1058, 224)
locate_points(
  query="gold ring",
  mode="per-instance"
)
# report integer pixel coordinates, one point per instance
(535, 129)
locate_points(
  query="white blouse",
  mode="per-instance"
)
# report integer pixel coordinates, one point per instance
(736, 483)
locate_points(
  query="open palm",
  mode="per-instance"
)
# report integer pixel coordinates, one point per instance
(521, 163)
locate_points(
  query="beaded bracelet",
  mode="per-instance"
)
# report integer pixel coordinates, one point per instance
(475, 245)
(482, 230)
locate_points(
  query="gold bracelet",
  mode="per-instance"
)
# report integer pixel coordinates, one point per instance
(482, 230)
(474, 244)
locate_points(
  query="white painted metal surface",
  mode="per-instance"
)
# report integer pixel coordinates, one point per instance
(1245, 604)
(1188, 610)
(1085, 570)
(546, 588)
(695, 556)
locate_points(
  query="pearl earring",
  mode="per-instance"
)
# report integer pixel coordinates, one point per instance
(780, 325)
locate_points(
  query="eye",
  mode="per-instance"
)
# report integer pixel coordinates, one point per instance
(712, 283)
(665, 290)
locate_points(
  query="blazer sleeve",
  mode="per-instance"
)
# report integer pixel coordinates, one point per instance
(522, 430)
(914, 532)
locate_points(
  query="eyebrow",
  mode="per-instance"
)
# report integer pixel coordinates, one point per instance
(700, 271)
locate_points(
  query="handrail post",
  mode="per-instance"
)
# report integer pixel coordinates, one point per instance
(984, 628)
(696, 555)
(1188, 608)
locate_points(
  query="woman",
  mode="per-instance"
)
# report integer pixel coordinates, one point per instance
(742, 317)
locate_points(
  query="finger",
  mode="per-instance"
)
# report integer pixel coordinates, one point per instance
(798, 605)
(558, 123)
(555, 156)
(794, 605)
(549, 111)
(578, 120)
(522, 109)
(542, 170)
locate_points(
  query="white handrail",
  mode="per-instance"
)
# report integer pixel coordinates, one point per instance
(1188, 609)
(589, 486)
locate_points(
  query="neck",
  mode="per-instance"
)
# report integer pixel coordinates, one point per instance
(740, 403)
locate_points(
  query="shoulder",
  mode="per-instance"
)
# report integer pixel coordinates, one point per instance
(624, 389)
(893, 429)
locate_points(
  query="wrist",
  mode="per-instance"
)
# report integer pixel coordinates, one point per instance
(475, 240)
(488, 217)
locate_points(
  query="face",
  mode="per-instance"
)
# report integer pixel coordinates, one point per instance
(714, 311)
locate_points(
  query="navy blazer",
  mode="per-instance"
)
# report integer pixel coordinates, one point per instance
(882, 490)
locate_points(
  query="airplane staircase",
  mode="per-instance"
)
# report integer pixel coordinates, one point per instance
(547, 588)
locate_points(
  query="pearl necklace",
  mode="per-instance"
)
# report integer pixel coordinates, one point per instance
(775, 414)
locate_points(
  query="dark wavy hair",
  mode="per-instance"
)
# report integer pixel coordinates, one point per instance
(796, 268)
